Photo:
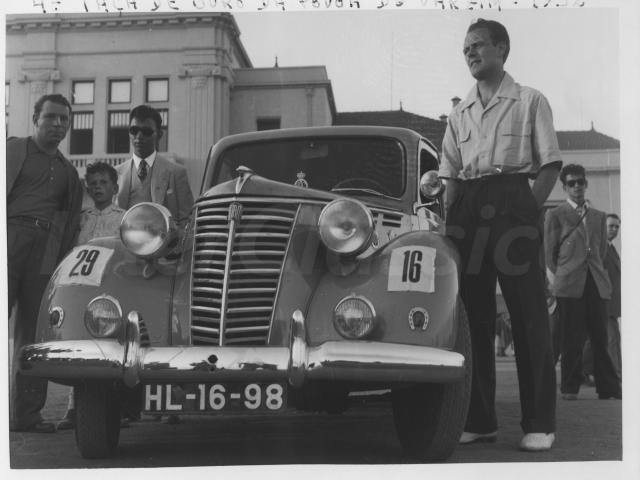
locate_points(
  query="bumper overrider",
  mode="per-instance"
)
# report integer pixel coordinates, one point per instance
(358, 361)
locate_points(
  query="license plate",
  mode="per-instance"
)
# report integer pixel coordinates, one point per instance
(215, 397)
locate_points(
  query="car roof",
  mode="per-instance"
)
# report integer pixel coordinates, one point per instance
(404, 134)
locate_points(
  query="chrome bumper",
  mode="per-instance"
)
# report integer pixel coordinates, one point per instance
(359, 361)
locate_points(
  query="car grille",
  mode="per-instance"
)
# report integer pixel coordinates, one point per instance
(232, 302)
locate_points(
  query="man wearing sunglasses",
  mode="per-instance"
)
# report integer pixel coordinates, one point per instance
(148, 176)
(575, 246)
(497, 139)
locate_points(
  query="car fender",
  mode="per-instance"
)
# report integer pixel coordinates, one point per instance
(376, 279)
(138, 285)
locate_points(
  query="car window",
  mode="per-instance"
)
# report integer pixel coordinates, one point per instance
(355, 164)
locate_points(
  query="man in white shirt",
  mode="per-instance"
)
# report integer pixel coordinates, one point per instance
(497, 139)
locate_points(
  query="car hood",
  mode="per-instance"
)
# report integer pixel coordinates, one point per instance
(250, 184)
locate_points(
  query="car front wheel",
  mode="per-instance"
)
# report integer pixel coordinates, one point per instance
(97, 419)
(430, 418)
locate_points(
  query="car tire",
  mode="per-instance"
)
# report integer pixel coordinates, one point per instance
(430, 418)
(97, 419)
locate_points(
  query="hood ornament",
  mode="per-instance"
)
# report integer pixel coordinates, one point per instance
(301, 182)
(244, 173)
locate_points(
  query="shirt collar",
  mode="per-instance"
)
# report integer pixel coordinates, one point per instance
(508, 89)
(150, 159)
(108, 209)
(574, 205)
(32, 147)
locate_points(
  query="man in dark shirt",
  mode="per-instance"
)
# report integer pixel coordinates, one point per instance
(44, 197)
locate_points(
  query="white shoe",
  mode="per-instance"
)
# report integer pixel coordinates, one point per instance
(537, 442)
(470, 437)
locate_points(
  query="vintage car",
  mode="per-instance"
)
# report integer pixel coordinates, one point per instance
(314, 267)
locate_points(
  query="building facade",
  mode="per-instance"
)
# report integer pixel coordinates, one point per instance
(191, 67)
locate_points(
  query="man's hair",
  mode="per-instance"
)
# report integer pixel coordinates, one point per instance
(614, 215)
(497, 32)
(572, 169)
(142, 112)
(52, 97)
(101, 167)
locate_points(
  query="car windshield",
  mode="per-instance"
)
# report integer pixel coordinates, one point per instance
(358, 165)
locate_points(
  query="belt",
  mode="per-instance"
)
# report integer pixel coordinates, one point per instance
(497, 177)
(43, 224)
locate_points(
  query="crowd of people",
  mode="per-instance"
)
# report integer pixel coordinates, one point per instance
(497, 140)
(45, 221)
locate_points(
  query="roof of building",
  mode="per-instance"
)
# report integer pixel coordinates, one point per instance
(427, 127)
(586, 140)
(285, 77)
(434, 129)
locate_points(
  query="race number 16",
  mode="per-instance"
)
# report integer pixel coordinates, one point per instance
(412, 268)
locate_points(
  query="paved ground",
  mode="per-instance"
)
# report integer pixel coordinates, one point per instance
(588, 429)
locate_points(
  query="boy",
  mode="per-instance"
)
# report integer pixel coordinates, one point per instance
(102, 220)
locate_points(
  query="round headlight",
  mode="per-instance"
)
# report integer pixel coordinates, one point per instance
(431, 185)
(146, 229)
(346, 226)
(354, 317)
(103, 317)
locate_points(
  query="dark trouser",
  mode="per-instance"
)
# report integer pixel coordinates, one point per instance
(579, 317)
(26, 255)
(493, 222)
(613, 329)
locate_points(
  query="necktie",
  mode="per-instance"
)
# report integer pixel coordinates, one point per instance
(142, 170)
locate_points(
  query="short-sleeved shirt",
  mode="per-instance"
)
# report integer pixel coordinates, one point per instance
(96, 223)
(41, 187)
(513, 134)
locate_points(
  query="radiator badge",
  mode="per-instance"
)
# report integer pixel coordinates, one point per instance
(235, 212)
(244, 174)
(301, 182)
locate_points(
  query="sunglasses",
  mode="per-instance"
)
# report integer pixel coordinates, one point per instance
(146, 131)
(580, 182)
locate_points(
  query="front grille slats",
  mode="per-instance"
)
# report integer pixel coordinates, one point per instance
(252, 272)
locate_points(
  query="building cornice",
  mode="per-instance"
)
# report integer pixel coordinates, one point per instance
(99, 21)
(116, 21)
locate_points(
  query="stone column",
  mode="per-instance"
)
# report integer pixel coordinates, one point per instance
(39, 82)
(206, 107)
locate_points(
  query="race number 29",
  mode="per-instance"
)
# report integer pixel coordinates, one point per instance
(86, 261)
(412, 268)
(85, 265)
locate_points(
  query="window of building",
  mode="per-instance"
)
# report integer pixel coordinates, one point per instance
(82, 92)
(81, 137)
(267, 124)
(119, 91)
(157, 90)
(163, 143)
(118, 132)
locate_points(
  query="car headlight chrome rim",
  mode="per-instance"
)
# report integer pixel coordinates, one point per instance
(354, 317)
(146, 229)
(431, 185)
(103, 317)
(346, 226)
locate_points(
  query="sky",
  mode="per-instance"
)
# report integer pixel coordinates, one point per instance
(377, 60)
